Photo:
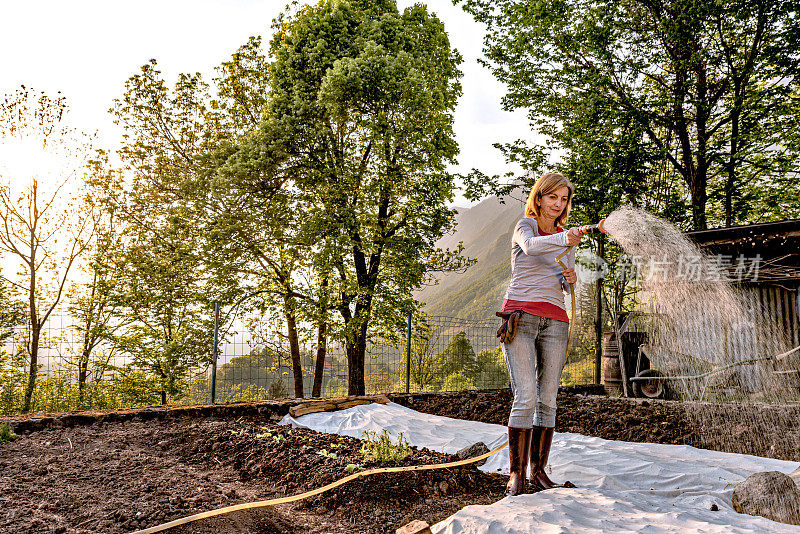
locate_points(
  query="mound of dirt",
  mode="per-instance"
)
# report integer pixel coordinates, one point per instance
(292, 461)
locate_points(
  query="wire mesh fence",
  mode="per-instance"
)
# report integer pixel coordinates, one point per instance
(440, 354)
(447, 354)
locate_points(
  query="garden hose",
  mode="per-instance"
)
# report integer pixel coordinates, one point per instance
(572, 296)
(282, 500)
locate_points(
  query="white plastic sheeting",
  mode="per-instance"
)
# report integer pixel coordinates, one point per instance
(621, 486)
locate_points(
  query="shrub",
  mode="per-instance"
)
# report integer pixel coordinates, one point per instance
(277, 390)
(382, 449)
(6, 434)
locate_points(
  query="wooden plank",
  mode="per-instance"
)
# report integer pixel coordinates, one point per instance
(780, 337)
(795, 318)
(770, 321)
(786, 320)
(311, 407)
(336, 403)
(349, 404)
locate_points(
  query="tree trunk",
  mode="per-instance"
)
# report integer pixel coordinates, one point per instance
(294, 348)
(83, 371)
(598, 322)
(357, 350)
(322, 339)
(699, 200)
(36, 330)
(730, 182)
(33, 369)
(83, 364)
(319, 366)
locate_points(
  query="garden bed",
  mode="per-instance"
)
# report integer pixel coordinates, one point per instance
(122, 471)
(120, 477)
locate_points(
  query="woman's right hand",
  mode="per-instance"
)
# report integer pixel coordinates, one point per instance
(573, 236)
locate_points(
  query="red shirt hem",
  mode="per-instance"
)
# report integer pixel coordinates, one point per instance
(542, 309)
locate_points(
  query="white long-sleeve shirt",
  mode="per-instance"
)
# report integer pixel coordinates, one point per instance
(535, 274)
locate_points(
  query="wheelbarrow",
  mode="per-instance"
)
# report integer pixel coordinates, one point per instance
(648, 382)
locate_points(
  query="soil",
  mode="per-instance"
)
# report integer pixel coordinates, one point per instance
(113, 473)
(121, 477)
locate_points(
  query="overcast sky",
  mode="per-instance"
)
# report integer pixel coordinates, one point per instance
(87, 49)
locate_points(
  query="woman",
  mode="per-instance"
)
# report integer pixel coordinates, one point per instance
(535, 357)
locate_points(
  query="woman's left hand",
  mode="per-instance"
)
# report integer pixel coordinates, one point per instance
(570, 276)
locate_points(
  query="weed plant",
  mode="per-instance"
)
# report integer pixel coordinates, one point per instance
(6, 434)
(380, 448)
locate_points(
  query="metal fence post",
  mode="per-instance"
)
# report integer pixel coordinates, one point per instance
(214, 354)
(408, 355)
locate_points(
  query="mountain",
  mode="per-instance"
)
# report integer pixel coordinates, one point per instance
(485, 230)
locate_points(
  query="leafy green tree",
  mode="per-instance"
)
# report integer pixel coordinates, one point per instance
(160, 289)
(93, 302)
(202, 159)
(492, 370)
(365, 96)
(423, 357)
(458, 357)
(704, 87)
(12, 379)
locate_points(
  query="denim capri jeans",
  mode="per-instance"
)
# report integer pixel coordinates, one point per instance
(535, 360)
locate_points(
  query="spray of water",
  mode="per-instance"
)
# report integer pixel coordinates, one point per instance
(712, 338)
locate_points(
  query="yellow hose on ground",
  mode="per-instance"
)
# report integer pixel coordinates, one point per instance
(282, 500)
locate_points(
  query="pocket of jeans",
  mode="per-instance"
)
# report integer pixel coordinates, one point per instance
(528, 324)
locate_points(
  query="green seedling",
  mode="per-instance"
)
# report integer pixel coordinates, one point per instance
(278, 438)
(6, 434)
(327, 454)
(352, 468)
(382, 449)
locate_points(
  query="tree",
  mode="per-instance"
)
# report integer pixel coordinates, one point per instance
(93, 303)
(493, 372)
(423, 355)
(207, 157)
(160, 290)
(705, 87)
(458, 357)
(365, 95)
(42, 225)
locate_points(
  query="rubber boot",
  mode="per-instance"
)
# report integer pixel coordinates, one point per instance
(541, 440)
(519, 442)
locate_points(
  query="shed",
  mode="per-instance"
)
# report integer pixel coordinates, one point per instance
(771, 254)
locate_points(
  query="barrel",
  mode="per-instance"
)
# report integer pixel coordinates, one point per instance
(612, 376)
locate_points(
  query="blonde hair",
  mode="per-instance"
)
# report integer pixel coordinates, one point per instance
(545, 185)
